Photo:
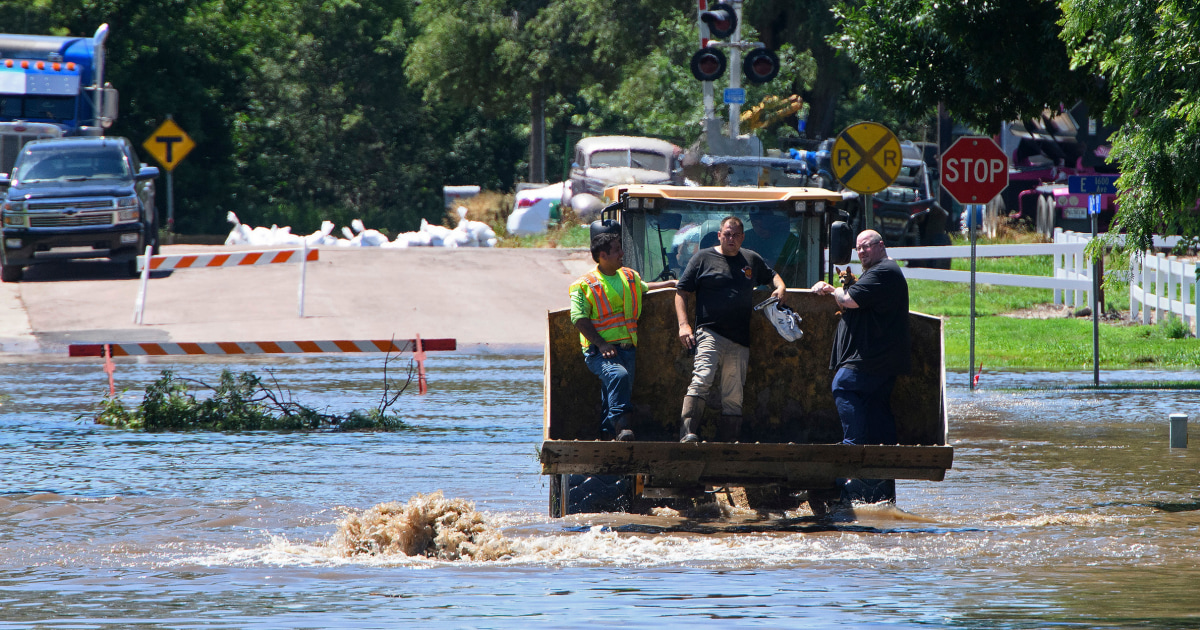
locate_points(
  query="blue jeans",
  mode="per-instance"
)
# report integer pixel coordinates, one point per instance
(864, 406)
(616, 383)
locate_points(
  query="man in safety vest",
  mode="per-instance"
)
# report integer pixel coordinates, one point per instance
(605, 305)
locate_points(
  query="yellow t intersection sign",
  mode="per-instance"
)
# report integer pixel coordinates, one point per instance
(866, 158)
(169, 144)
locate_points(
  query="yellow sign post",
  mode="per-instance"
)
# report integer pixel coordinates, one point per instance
(169, 144)
(866, 158)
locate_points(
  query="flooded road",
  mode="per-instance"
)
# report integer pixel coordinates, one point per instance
(1065, 507)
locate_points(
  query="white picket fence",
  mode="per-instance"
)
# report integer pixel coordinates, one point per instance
(1161, 284)
(1072, 280)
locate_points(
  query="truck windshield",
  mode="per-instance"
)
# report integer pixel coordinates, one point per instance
(55, 108)
(624, 158)
(669, 239)
(56, 165)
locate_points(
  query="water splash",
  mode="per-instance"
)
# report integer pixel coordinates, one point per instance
(428, 525)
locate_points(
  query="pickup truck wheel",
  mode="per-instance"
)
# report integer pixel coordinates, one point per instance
(11, 273)
(131, 268)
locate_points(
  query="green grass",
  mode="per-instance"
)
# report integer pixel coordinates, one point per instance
(954, 298)
(1052, 344)
(568, 235)
(1064, 344)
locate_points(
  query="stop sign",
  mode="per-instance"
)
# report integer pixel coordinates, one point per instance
(974, 170)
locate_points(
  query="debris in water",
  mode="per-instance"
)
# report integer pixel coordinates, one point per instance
(428, 525)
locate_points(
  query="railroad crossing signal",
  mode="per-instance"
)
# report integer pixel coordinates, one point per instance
(169, 144)
(974, 170)
(866, 158)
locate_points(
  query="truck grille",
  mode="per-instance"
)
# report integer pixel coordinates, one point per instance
(70, 220)
(82, 204)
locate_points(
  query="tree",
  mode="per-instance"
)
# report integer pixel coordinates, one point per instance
(1148, 52)
(988, 62)
(808, 26)
(502, 54)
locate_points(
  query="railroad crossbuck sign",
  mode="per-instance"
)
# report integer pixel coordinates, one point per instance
(974, 170)
(169, 144)
(866, 158)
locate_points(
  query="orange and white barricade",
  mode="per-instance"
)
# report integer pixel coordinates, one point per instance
(417, 346)
(148, 263)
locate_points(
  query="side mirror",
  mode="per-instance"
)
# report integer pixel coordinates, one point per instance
(841, 243)
(604, 226)
(146, 172)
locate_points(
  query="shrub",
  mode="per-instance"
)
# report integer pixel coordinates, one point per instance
(240, 402)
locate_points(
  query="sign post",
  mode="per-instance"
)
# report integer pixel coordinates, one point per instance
(974, 170)
(866, 158)
(169, 144)
(1094, 186)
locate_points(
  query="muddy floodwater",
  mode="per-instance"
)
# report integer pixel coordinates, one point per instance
(1065, 508)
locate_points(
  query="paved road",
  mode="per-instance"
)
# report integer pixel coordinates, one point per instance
(494, 298)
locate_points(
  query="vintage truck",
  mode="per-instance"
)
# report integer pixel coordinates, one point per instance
(789, 450)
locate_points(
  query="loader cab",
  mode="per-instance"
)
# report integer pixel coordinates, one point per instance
(664, 226)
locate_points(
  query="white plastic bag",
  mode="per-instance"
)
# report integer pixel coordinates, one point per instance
(784, 319)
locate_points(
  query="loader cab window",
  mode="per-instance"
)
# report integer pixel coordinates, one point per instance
(660, 240)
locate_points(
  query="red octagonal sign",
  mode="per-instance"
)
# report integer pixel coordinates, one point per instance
(974, 170)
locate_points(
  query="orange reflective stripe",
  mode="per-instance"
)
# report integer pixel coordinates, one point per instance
(605, 317)
(634, 294)
(599, 297)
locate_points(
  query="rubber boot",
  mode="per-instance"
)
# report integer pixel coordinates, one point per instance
(624, 427)
(693, 413)
(729, 429)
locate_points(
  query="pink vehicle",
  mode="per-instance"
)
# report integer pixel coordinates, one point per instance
(1043, 153)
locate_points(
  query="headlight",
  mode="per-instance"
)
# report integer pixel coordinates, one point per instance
(133, 214)
(14, 214)
(126, 202)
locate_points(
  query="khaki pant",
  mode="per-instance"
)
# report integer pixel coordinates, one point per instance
(716, 354)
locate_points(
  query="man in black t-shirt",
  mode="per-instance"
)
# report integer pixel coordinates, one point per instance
(872, 345)
(722, 278)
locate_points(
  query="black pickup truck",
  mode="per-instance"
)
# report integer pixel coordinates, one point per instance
(82, 197)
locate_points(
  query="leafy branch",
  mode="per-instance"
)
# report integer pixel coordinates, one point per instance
(244, 402)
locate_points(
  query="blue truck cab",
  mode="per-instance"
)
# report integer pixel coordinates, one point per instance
(81, 197)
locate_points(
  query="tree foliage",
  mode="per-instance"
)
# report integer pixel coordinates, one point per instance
(304, 110)
(1150, 54)
(988, 62)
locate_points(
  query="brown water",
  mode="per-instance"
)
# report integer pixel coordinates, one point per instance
(1065, 508)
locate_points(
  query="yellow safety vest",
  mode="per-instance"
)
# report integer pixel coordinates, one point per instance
(605, 318)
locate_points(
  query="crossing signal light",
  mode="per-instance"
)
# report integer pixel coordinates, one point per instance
(721, 20)
(760, 65)
(708, 64)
